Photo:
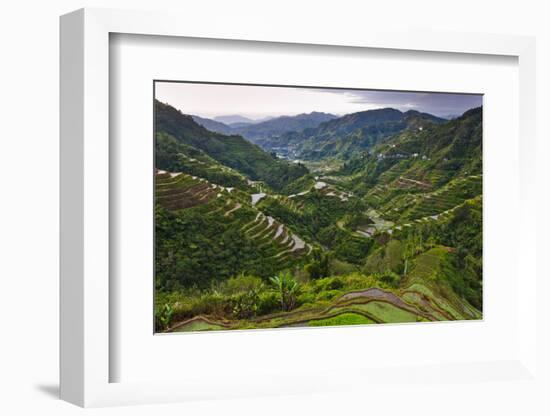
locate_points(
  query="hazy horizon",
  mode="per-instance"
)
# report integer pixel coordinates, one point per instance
(258, 102)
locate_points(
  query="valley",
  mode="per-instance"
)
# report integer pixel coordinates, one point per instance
(369, 218)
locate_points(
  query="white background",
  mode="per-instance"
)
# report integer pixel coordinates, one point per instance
(302, 350)
(29, 209)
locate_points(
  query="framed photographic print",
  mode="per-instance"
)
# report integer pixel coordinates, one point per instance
(291, 213)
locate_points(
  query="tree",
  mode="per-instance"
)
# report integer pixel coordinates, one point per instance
(245, 295)
(413, 246)
(287, 289)
(390, 278)
(313, 270)
(319, 267)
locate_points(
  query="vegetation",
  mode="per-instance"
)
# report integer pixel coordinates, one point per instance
(344, 137)
(283, 302)
(287, 289)
(264, 130)
(385, 225)
(232, 151)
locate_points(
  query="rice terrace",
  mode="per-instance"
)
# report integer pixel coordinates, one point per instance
(304, 207)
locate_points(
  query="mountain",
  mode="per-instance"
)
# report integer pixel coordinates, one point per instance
(232, 119)
(426, 158)
(280, 125)
(231, 232)
(239, 125)
(343, 136)
(261, 120)
(392, 234)
(174, 156)
(254, 130)
(213, 125)
(458, 139)
(232, 151)
(450, 116)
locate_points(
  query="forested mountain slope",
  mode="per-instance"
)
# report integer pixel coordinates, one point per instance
(283, 124)
(276, 126)
(344, 136)
(207, 233)
(213, 125)
(394, 234)
(431, 156)
(233, 151)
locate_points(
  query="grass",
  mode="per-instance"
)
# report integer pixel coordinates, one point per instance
(386, 258)
(342, 319)
(427, 265)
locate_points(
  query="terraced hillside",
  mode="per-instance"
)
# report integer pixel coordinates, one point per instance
(232, 151)
(400, 203)
(344, 304)
(386, 231)
(179, 157)
(424, 293)
(404, 181)
(235, 233)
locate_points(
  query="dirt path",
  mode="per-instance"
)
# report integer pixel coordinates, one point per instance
(419, 183)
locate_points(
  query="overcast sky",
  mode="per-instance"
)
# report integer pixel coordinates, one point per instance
(212, 100)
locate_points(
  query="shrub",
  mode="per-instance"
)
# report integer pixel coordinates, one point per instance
(335, 284)
(356, 281)
(329, 283)
(245, 305)
(313, 270)
(268, 302)
(306, 298)
(287, 289)
(319, 266)
(211, 304)
(390, 278)
(163, 316)
(328, 294)
(243, 283)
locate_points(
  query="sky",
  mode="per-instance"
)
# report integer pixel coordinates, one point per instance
(256, 102)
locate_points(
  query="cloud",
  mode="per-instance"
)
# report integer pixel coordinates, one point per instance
(211, 100)
(436, 103)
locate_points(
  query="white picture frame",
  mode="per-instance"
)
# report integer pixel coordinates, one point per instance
(85, 352)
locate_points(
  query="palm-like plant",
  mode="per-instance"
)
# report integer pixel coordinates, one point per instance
(287, 289)
(164, 315)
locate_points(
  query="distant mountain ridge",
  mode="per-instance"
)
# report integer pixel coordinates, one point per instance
(230, 150)
(232, 119)
(213, 125)
(254, 130)
(342, 136)
(284, 124)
